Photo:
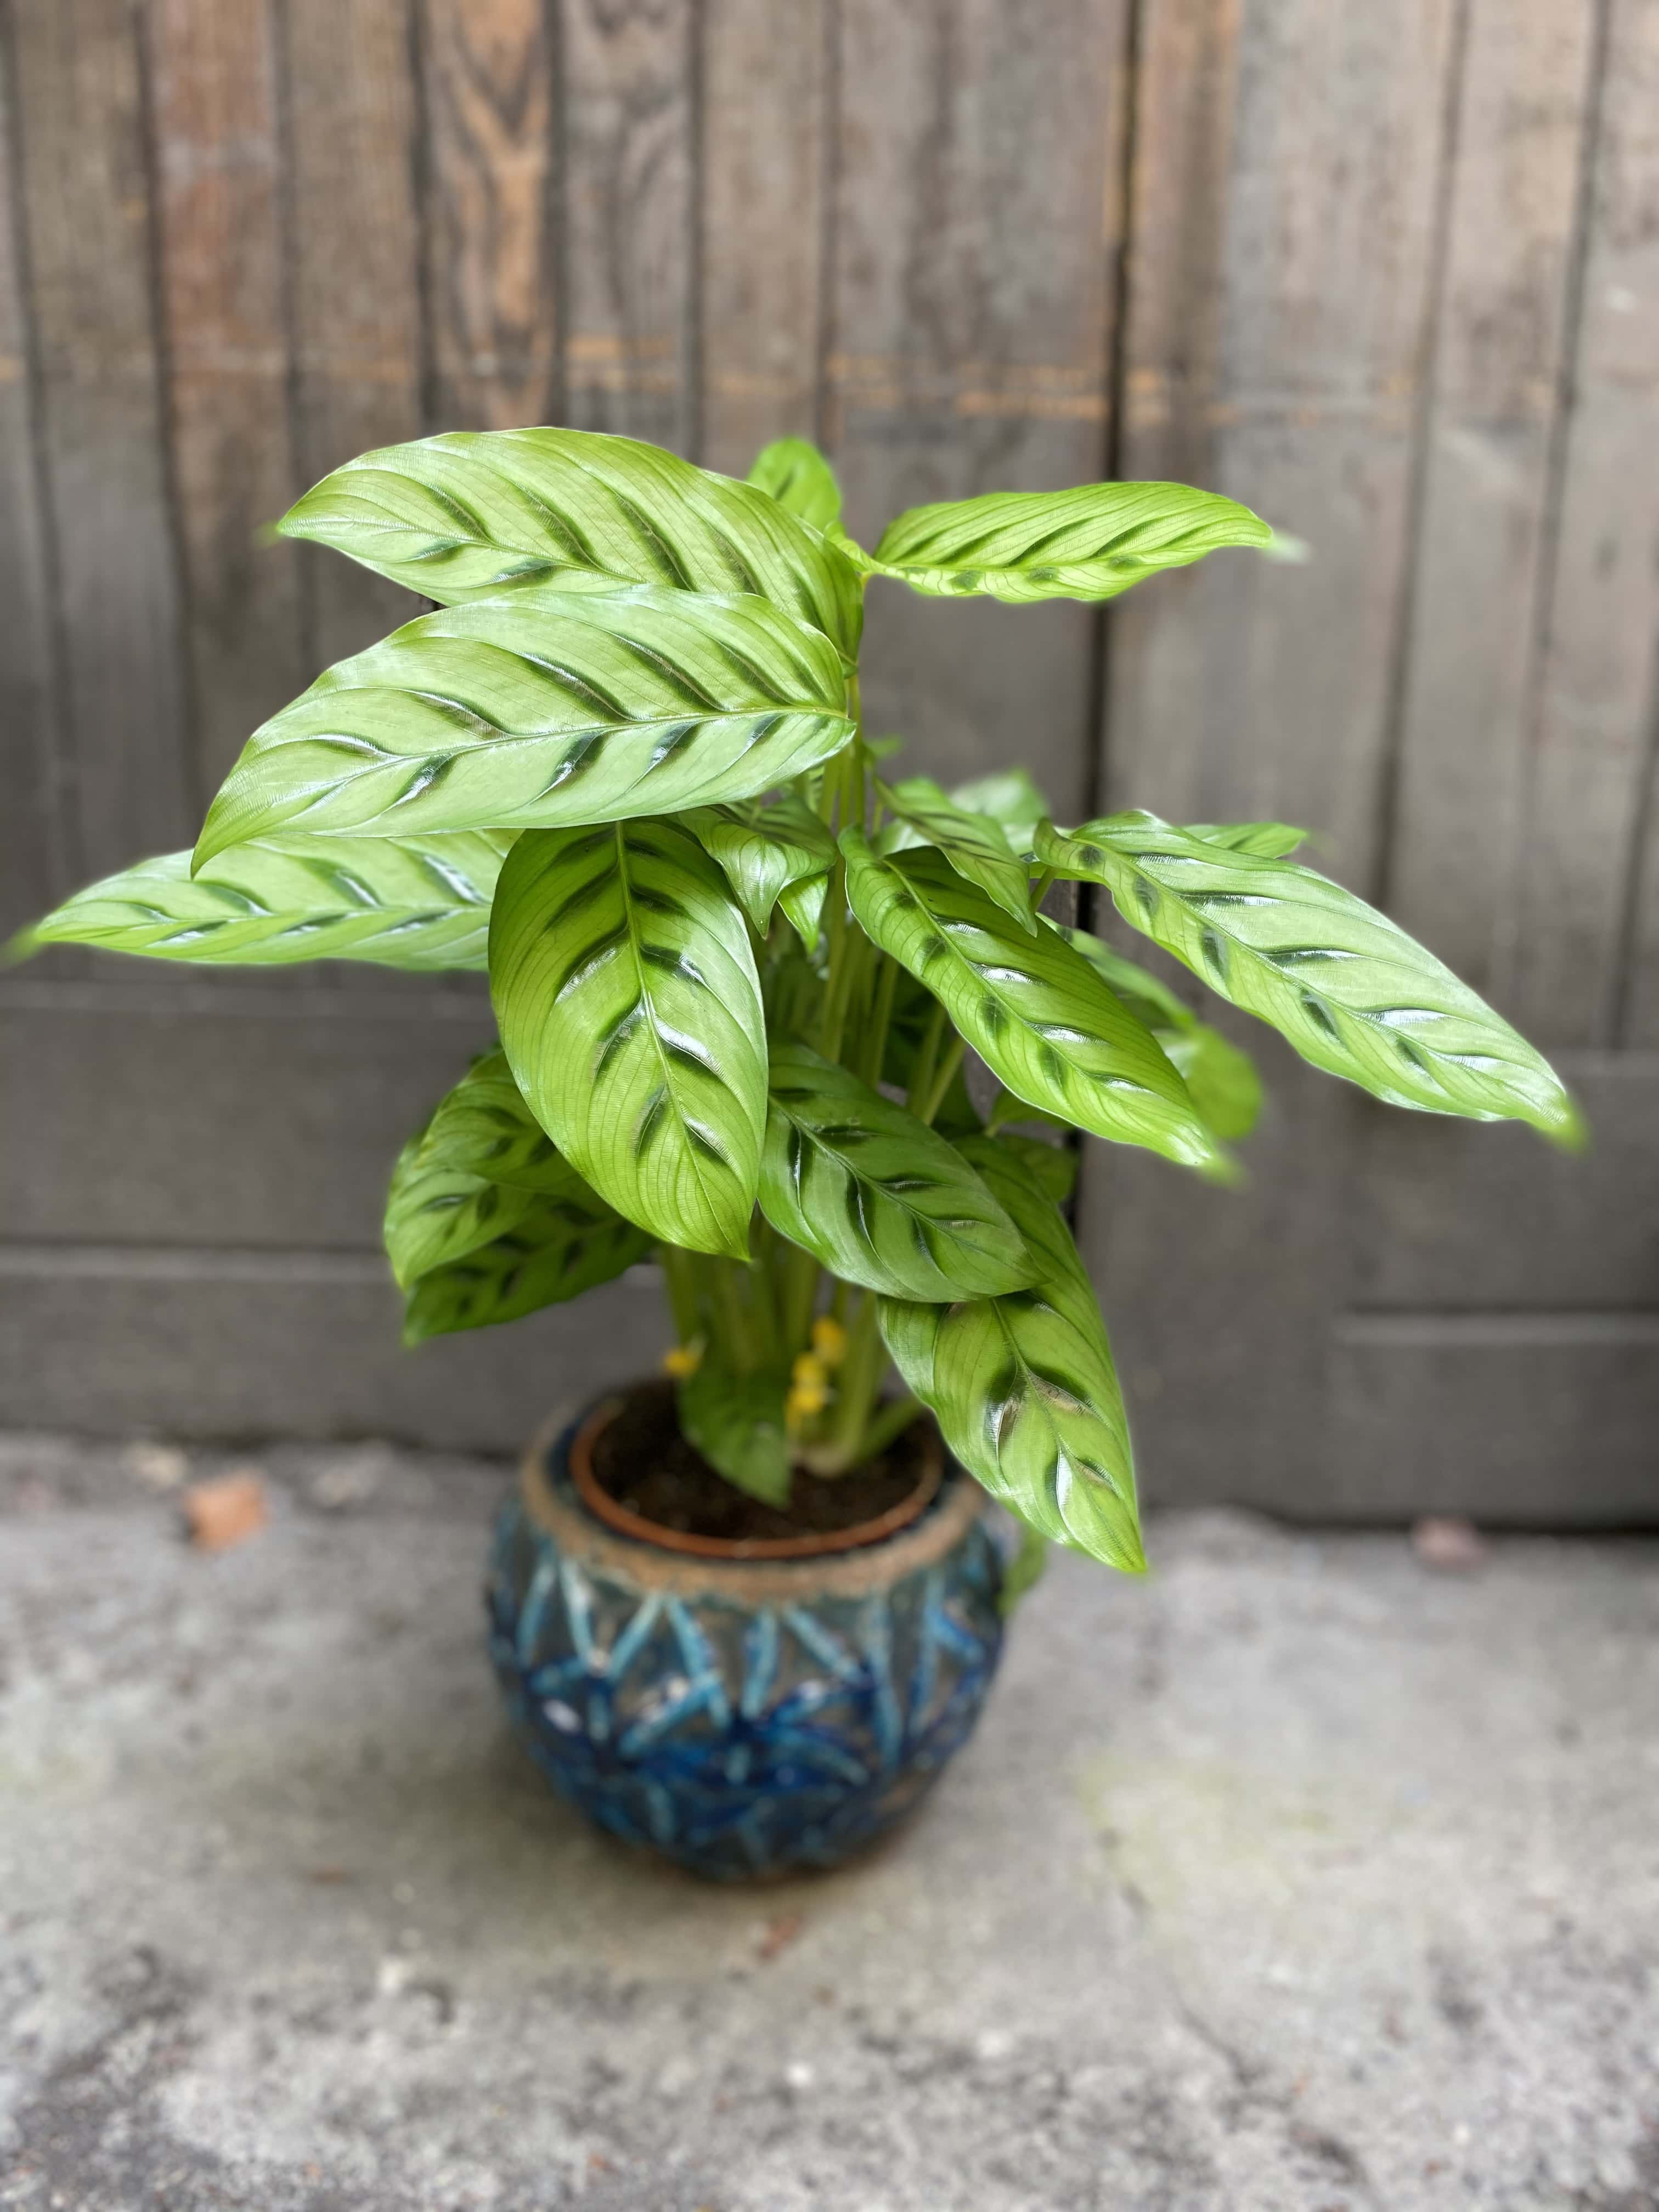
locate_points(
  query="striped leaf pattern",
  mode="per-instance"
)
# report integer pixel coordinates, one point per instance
(437, 1211)
(797, 476)
(556, 1250)
(1023, 1387)
(1349, 989)
(770, 853)
(629, 1010)
(976, 847)
(483, 1127)
(1224, 1083)
(875, 1194)
(551, 707)
(1089, 543)
(413, 902)
(1032, 1008)
(460, 516)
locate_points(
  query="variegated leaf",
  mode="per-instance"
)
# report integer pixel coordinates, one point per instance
(483, 1127)
(557, 1248)
(767, 852)
(1032, 1008)
(1023, 1387)
(436, 1211)
(547, 708)
(1348, 988)
(874, 1194)
(413, 902)
(1089, 543)
(463, 515)
(976, 847)
(630, 1012)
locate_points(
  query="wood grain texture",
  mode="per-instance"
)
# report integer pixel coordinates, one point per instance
(248, 1346)
(1496, 388)
(766, 85)
(1288, 163)
(216, 132)
(1534, 1420)
(87, 199)
(1596, 695)
(630, 222)
(976, 220)
(489, 105)
(34, 860)
(356, 280)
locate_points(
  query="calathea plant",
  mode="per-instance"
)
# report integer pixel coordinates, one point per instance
(736, 960)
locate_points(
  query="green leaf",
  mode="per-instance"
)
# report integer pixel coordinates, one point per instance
(1023, 1571)
(737, 1423)
(1269, 840)
(1224, 1086)
(557, 1248)
(483, 1127)
(460, 516)
(1011, 797)
(630, 1009)
(415, 902)
(976, 847)
(1089, 543)
(875, 1194)
(1032, 1008)
(913, 1009)
(436, 1211)
(1053, 1168)
(1023, 1387)
(767, 851)
(798, 476)
(1349, 989)
(548, 708)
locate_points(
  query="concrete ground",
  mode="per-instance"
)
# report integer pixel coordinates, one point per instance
(1300, 1878)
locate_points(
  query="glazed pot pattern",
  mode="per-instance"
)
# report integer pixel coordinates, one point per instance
(743, 1717)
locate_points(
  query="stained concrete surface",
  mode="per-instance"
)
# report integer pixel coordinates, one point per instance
(1299, 1879)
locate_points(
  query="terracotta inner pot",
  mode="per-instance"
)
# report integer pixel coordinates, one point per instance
(603, 1507)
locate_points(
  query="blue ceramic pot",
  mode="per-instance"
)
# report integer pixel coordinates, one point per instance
(744, 1716)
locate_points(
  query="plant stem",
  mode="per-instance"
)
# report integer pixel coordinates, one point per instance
(891, 1420)
(680, 1281)
(942, 1080)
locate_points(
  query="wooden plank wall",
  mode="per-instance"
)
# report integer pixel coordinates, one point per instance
(1386, 269)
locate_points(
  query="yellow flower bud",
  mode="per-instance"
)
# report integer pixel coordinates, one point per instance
(809, 1372)
(828, 1340)
(684, 1359)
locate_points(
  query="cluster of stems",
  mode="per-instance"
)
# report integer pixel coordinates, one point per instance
(780, 1312)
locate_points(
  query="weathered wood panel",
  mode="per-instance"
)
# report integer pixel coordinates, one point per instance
(1288, 171)
(222, 290)
(87, 214)
(978, 217)
(489, 103)
(768, 81)
(1597, 696)
(35, 864)
(356, 280)
(629, 218)
(1497, 389)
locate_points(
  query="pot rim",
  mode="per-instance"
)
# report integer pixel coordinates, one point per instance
(559, 1511)
(812, 1545)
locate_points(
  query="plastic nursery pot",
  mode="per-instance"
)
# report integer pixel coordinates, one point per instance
(742, 1712)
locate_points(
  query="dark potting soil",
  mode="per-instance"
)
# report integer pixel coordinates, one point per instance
(642, 1459)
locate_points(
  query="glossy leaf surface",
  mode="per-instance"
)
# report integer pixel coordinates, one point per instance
(437, 1211)
(630, 1013)
(797, 476)
(1032, 1008)
(549, 708)
(412, 903)
(976, 846)
(737, 1423)
(876, 1195)
(556, 1250)
(484, 1128)
(1348, 988)
(1089, 543)
(1269, 840)
(1053, 1168)
(767, 851)
(1224, 1083)
(1012, 798)
(1024, 1387)
(460, 516)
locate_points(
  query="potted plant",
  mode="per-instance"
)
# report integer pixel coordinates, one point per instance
(745, 1612)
